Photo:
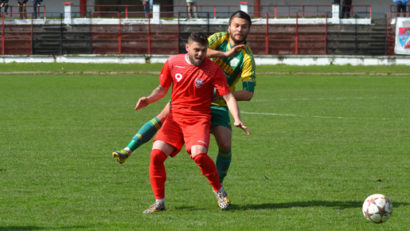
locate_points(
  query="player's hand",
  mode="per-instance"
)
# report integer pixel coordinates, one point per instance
(234, 50)
(142, 102)
(242, 126)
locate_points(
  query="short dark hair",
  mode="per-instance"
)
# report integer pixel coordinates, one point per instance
(198, 37)
(240, 14)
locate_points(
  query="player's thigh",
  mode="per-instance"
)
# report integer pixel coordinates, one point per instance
(171, 134)
(196, 135)
(223, 137)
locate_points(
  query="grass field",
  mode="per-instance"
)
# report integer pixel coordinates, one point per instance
(323, 139)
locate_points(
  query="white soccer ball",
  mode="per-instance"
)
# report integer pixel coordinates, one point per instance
(377, 208)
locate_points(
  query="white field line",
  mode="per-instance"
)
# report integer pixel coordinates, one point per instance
(317, 99)
(315, 116)
(289, 115)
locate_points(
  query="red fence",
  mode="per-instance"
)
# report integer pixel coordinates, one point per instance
(135, 38)
(165, 39)
(148, 38)
(276, 39)
(16, 40)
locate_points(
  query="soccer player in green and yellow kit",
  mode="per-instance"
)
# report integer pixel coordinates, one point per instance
(233, 55)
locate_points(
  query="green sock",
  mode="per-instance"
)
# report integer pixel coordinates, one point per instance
(223, 160)
(146, 132)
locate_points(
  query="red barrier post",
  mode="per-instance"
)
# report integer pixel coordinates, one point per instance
(119, 33)
(32, 33)
(303, 11)
(275, 12)
(2, 34)
(215, 12)
(297, 36)
(267, 34)
(149, 35)
(178, 31)
(370, 11)
(257, 8)
(326, 36)
(83, 8)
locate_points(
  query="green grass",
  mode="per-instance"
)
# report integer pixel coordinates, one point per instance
(320, 145)
(69, 67)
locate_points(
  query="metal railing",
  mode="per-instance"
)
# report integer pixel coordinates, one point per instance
(27, 12)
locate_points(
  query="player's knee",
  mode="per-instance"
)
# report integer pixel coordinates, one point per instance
(225, 154)
(224, 147)
(200, 158)
(157, 156)
(197, 149)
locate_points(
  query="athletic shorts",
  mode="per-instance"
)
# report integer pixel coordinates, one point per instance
(220, 117)
(189, 131)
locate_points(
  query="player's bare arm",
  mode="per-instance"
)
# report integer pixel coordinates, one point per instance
(234, 110)
(224, 54)
(243, 95)
(157, 94)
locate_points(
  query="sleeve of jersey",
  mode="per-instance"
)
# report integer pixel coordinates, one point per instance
(248, 73)
(165, 78)
(214, 40)
(221, 84)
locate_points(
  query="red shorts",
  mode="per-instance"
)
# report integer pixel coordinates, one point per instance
(189, 131)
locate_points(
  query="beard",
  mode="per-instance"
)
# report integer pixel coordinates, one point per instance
(195, 61)
(241, 39)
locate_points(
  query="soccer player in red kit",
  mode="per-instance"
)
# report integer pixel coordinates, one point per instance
(193, 78)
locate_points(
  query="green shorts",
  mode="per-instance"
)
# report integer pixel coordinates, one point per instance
(220, 117)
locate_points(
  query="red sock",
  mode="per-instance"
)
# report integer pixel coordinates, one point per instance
(208, 169)
(157, 173)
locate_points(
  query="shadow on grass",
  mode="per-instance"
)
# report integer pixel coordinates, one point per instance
(192, 208)
(303, 204)
(31, 227)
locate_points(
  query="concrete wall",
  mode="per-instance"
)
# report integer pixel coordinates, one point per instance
(379, 6)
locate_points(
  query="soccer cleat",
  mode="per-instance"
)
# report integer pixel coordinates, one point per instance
(223, 199)
(156, 207)
(120, 156)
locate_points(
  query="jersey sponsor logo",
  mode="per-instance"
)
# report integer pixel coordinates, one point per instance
(199, 83)
(178, 77)
(234, 62)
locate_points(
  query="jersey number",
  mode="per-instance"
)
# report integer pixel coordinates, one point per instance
(178, 77)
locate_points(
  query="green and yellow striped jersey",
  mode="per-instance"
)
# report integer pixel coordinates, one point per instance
(241, 66)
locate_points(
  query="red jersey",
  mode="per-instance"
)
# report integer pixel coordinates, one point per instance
(192, 86)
